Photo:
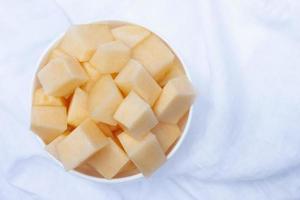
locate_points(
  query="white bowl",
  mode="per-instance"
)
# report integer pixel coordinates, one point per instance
(43, 60)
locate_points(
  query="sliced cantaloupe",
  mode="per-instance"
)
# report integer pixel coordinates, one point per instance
(136, 115)
(80, 144)
(93, 74)
(61, 76)
(134, 77)
(48, 122)
(42, 99)
(175, 100)
(146, 153)
(131, 35)
(183, 120)
(175, 71)
(91, 71)
(109, 160)
(81, 41)
(104, 99)
(155, 56)
(78, 109)
(51, 147)
(166, 134)
(110, 57)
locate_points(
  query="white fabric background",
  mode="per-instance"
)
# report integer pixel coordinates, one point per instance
(244, 58)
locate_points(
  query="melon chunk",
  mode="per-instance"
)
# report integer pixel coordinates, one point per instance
(110, 57)
(166, 134)
(155, 56)
(136, 115)
(175, 100)
(109, 160)
(61, 76)
(134, 77)
(78, 110)
(105, 129)
(51, 147)
(91, 71)
(131, 35)
(81, 41)
(48, 121)
(146, 154)
(128, 170)
(88, 170)
(80, 144)
(93, 74)
(183, 120)
(42, 99)
(175, 71)
(56, 53)
(104, 99)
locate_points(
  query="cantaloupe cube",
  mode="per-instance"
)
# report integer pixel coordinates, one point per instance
(61, 76)
(93, 74)
(109, 160)
(88, 85)
(128, 170)
(166, 134)
(110, 57)
(81, 41)
(175, 100)
(131, 35)
(91, 71)
(48, 121)
(56, 53)
(136, 115)
(113, 128)
(105, 129)
(78, 109)
(134, 77)
(80, 144)
(155, 56)
(51, 147)
(104, 99)
(175, 71)
(85, 168)
(146, 154)
(42, 99)
(183, 120)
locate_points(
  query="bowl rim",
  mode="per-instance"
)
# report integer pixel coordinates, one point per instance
(54, 43)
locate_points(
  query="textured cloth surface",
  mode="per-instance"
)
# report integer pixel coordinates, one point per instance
(244, 60)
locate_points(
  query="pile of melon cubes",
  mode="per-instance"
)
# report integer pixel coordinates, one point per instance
(111, 100)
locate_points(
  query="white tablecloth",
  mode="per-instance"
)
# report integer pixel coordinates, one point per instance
(244, 59)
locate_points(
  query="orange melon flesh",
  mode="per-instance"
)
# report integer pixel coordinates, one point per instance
(61, 76)
(42, 99)
(136, 115)
(48, 121)
(81, 41)
(80, 144)
(104, 99)
(175, 71)
(110, 57)
(134, 77)
(155, 56)
(146, 154)
(131, 35)
(166, 134)
(109, 160)
(175, 100)
(51, 147)
(78, 110)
